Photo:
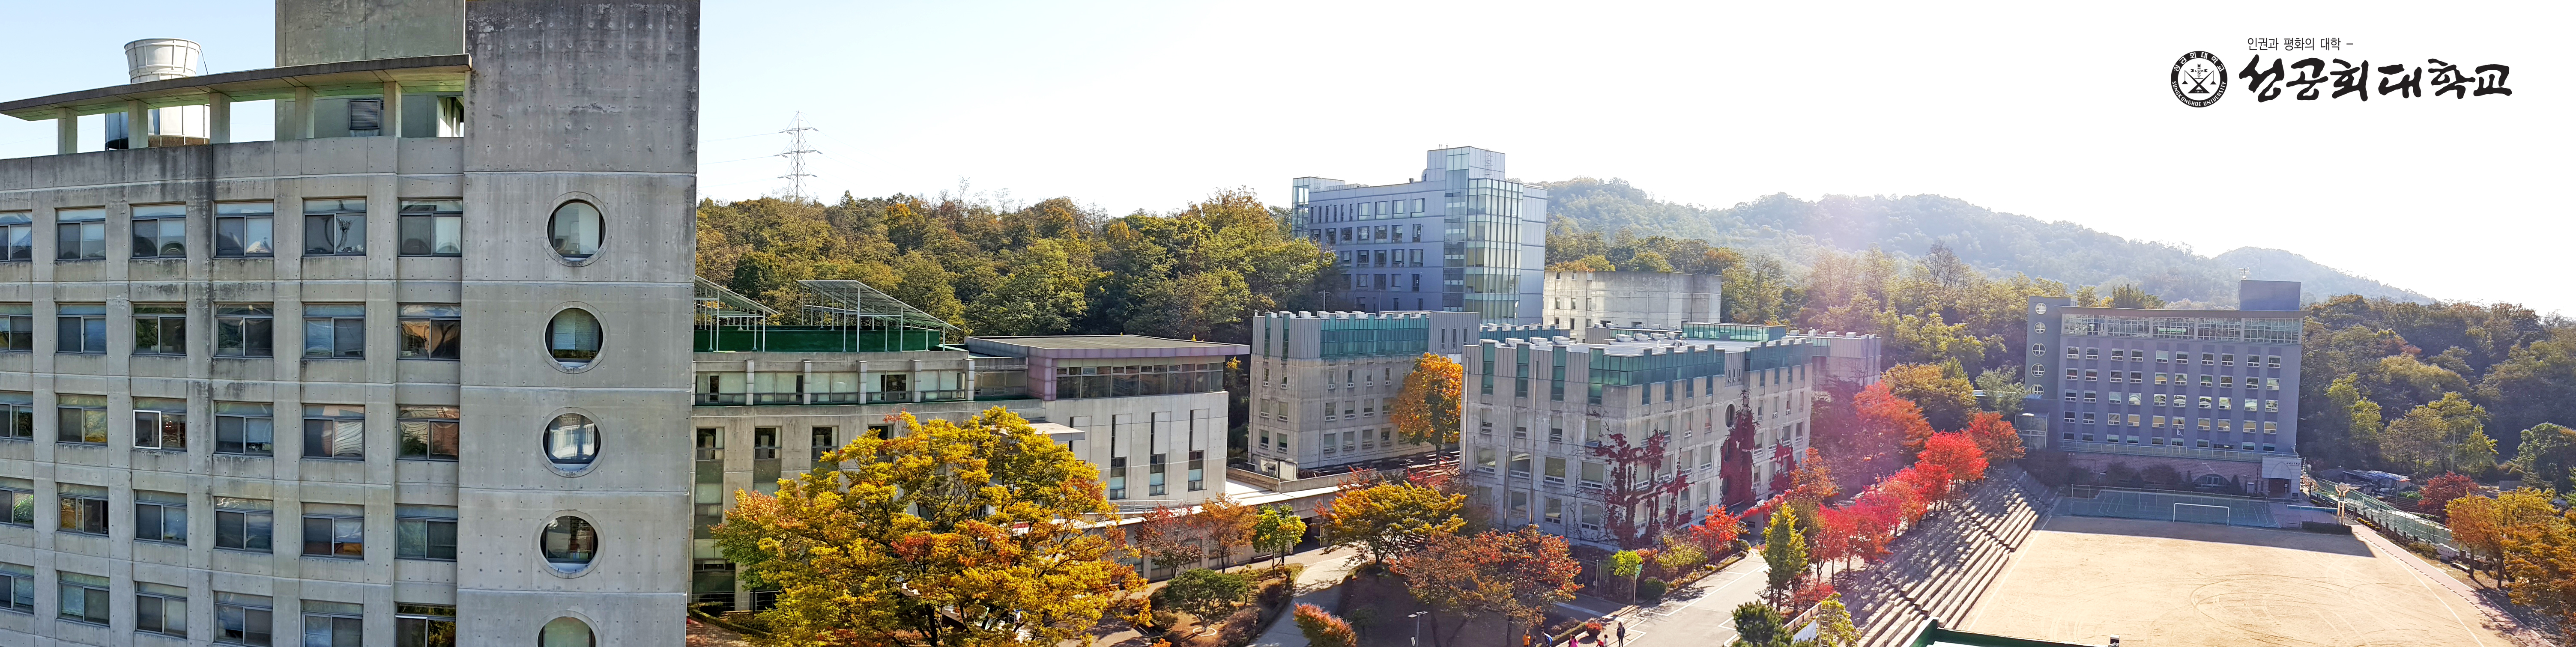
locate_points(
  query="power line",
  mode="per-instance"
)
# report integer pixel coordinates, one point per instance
(796, 150)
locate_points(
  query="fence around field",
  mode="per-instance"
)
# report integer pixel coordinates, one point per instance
(2165, 506)
(2390, 519)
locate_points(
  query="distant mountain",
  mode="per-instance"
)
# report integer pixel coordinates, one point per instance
(2001, 243)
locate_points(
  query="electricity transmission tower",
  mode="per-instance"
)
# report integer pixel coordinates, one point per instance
(795, 154)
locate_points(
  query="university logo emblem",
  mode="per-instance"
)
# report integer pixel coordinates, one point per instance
(2198, 79)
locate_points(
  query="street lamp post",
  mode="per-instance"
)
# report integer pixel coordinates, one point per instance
(1417, 627)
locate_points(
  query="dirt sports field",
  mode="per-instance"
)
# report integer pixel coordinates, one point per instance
(2165, 584)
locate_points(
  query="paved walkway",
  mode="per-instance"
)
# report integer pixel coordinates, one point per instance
(1319, 585)
(2434, 577)
(1699, 615)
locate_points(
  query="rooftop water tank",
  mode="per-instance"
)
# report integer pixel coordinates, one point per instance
(154, 59)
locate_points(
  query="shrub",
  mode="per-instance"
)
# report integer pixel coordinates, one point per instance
(1651, 589)
(1204, 593)
(1324, 630)
(1240, 628)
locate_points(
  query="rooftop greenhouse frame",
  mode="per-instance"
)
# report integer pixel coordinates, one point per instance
(834, 316)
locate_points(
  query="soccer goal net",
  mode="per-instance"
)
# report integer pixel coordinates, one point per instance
(2197, 513)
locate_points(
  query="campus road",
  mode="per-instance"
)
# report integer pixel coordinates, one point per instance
(1700, 615)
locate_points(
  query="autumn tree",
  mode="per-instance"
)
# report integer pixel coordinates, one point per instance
(1889, 423)
(1427, 409)
(2477, 527)
(1278, 529)
(1834, 624)
(1995, 436)
(2438, 493)
(2540, 569)
(2492, 528)
(1716, 530)
(1515, 575)
(1167, 538)
(972, 534)
(1946, 397)
(1957, 456)
(1226, 524)
(1626, 565)
(1388, 519)
(1784, 550)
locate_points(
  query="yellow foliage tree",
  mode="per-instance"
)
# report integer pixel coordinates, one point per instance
(1427, 410)
(974, 534)
(1390, 518)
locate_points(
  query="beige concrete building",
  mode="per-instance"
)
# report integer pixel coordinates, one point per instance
(1540, 410)
(1656, 300)
(1323, 383)
(469, 436)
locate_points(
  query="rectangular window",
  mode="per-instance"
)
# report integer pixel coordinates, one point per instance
(161, 609)
(2092, 376)
(160, 329)
(2089, 396)
(2228, 382)
(2208, 358)
(2204, 423)
(823, 442)
(160, 231)
(20, 497)
(2074, 353)
(80, 328)
(80, 234)
(1198, 470)
(17, 327)
(1118, 477)
(335, 624)
(2276, 362)
(2228, 359)
(429, 331)
(244, 428)
(424, 625)
(433, 228)
(17, 237)
(2272, 384)
(245, 619)
(83, 508)
(80, 419)
(244, 524)
(18, 582)
(242, 229)
(161, 516)
(335, 227)
(764, 443)
(428, 433)
(336, 431)
(244, 329)
(84, 597)
(425, 532)
(1555, 470)
(17, 415)
(2271, 427)
(335, 330)
(161, 423)
(2092, 353)
(2208, 380)
(335, 530)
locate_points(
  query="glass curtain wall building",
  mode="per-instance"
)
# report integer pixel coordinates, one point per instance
(1460, 238)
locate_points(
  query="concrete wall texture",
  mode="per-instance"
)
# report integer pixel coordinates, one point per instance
(568, 101)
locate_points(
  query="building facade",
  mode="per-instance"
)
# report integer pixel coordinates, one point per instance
(773, 392)
(1660, 300)
(1461, 238)
(1544, 417)
(2211, 394)
(1323, 384)
(468, 432)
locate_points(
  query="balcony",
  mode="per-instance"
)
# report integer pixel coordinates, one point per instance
(839, 398)
(778, 398)
(889, 397)
(943, 395)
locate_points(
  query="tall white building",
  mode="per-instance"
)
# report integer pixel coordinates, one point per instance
(409, 374)
(1541, 412)
(1462, 237)
(1658, 300)
(1323, 384)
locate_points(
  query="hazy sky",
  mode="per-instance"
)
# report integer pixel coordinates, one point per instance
(2054, 110)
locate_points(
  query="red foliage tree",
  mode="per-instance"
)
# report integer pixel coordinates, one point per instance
(1784, 464)
(1634, 487)
(1518, 575)
(1837, 528)
(1716, 532)
(1995, 436)
(1956, 454)
(1735, 459)
(2439, 492)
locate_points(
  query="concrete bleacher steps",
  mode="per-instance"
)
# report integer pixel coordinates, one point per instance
(1940, 568)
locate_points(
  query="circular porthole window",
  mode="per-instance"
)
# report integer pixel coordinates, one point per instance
(575, 230)
(573, 338)
(566, 632)
(569, 543)
(572, 442)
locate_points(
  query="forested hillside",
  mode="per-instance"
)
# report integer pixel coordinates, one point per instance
(1997, 243)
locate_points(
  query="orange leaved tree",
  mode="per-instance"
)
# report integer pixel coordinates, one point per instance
(1426, 411)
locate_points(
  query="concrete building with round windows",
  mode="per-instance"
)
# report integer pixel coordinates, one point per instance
(406, 375)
